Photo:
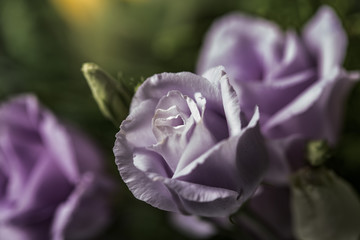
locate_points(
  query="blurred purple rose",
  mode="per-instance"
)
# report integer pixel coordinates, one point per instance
(184, 147)
(51, 180)
(297, 81)
(298, 84)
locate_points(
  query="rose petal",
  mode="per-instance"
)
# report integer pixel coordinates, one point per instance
(319, 105)
(154, 193)
(231, 107)
(138, 125)
(236, 163)
(160, 84)
(214, 74)
(85, 213)
(32, 232)
(273, 96)
(296, 59)
(201, 141)
(57, 140)
(326, 40)
(45, 189)
(192, 226)
(248, 47)
(201, 200)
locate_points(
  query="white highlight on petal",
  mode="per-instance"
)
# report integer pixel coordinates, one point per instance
(201, 102)
(231, 106)
(193, 109)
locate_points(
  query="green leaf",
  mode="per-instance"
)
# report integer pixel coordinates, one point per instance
(324, 206)
(112, 97)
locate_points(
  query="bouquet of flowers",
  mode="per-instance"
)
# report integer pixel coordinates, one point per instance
(244, 147)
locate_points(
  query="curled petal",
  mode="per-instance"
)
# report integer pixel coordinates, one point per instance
(202, 200)
(326, 40)
(159, 85)
(319, 105)
(154, 193)
(231, 107)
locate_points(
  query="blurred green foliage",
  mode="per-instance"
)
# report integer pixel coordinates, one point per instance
(324, 206)
(42, 50)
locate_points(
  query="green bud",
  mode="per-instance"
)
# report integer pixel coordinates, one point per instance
(324, 206)
(317, 152)
(111, 96)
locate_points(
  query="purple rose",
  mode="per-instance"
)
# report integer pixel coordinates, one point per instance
(51, 180)
(297, 81)
(185, 147)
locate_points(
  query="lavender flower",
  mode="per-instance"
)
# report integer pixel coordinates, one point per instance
(51, 179)
(185, 147)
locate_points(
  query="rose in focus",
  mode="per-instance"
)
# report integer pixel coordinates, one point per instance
(297, 81)
(52, 184)
(186, 147)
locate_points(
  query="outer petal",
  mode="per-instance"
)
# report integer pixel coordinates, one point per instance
(326, 40)
(320, 105)
(143, 188)
(32, 232)
(192, 226)
(248, 47)
(57, 141)
(160, 84)
(45, 189)
(86, 211)
(201, 200)
(138, 125)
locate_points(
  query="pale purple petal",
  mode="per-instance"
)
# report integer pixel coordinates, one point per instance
(231, 107)
(326, 40)
(138, 125)
(34, 232)
(192, 226)
(57, 140)
(295, 59)
(248, 47)
(40, 196)
(154, 193)
(319, 105)
(85, 213)
(237, 163)
(201, 140)
(160, 84)
(202, 200)
(39, 168)
(273, 96)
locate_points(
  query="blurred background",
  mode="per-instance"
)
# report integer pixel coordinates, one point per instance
(43, 44)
